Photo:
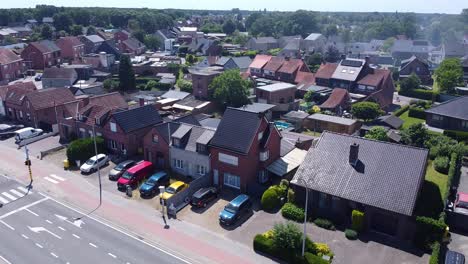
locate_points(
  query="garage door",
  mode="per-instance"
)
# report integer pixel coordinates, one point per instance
(384, 223)
(232, 180)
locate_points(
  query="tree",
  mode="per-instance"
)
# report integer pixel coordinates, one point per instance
(332, 54)
(150, 85)
(185, 86)
(230, 89)
(239, 38)
(331, 30)
(366, 110)
(229, 27)
(110, 85)
(152, 42)
(139, 34)
(415, 135)
(410, 83)
(309, 96)
(464, 16)
(62, 21)
(211, 28)
(388, 43)
(314, 61)
(76, 30)
(287, 236)
(46, 32)
(126, 74)
(377, 133)
(91, 30)
(346, 36)
(449, 75)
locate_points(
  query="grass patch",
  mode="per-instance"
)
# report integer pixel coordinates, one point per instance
(408, 121)
(431, 200)
(311, 133)
(438, 178)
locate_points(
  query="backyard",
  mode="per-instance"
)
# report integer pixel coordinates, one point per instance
(431, 200)
(408, 121)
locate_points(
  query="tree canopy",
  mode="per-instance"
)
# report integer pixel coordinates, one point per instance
(415, 135)
(410, 83)
(377, 133)
(230, 89)
(366, 110)
(449, 75)
(126, 74)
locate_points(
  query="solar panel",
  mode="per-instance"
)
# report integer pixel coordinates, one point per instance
(351, 63)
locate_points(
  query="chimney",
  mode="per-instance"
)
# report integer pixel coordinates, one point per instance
(354, 154)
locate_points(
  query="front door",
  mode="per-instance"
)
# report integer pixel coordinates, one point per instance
(215, 177)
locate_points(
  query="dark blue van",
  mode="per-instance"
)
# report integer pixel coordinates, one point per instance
(234, 210)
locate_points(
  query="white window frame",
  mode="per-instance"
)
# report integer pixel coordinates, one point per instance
(464, 124)
(112, 144)
(21, 114)
(201, 170)
(113, 127)
(155, 138)
(263, 176)
(260, 135)
(264, 155)
(228, 159)
(178, 164)
(232, 180)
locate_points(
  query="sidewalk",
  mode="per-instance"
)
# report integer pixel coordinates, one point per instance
(195, 244)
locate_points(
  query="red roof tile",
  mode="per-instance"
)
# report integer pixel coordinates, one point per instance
(337, 97)
(374, 79)
(7, 56)
(14, 92)
(291, 65)
(51, 97)
(112, 100)
(326, 70)
(304, 77)
(260, 61)
(71, 41)
(274, 64)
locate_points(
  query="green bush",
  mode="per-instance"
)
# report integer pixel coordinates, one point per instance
(428, 231)
(292, 212)
(400, 111)
(441, 164)
(458, 135)
(291, 196)
(453, 172)
(185, 86)
(357, 219)
(271, 199)
(435, 256)
(287, 236)
(420, 94)
(263, 244)
(324, 223)
(351, 234)
(314, 259)
(83, 149)
(417, 112)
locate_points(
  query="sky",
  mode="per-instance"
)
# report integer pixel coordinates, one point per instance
(419, 6)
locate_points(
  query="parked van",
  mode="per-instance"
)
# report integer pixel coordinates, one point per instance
(135, 174)
(27, 132)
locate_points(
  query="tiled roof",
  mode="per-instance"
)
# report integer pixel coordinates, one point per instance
(112, 100)
(326, 70)
(375, 78)
(456, 108)
(291, 65)
(133, 43)
(13, 92)
(7, 56)
(71, 41)
(242, 62)
(274, 64)
(265, 40)
(59, 73)
(45, 46)
(50, 97)
(137, 118)
(237, 130)
(304, 77)
(387, 176)
(260, 61)
(391, 121)
(337, 97)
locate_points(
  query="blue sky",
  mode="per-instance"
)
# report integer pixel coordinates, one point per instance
(421, 6)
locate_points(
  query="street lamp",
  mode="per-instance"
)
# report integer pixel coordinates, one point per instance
(302, 181)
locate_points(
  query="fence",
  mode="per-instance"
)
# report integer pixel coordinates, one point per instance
(181, 199)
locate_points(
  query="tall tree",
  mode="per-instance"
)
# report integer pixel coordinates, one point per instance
(46, 32)
(91, 30)
(229, 27)
(62, 21)
(230, 89)
(331, 30)
(152, 42)
(76, 30)
(126, 74)
(449, 75)
(415, 135)
(332, 54)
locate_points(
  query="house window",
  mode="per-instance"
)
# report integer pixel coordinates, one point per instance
(98, 134)
(263, 176)
(370, 88)
(178, 164)
(27, 104)
(464, 124)
(28, 116)
(201, 170)
(232, 180)
(437, 118)
(10, 112)
(201, 148)
(21, 114)
(260, 135)
(418, 69)
(122, 147)
(225, 158)
(112, 144)
(91, 134)
(113, 127)
(264, 155)
(82, 133)
(176, 142)
(155, 139)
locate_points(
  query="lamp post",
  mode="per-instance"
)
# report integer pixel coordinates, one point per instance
(305, 215)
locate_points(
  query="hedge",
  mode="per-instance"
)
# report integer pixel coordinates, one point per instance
(314, 259)
(324, 223)
(457, 135)
(357, 220)
(400, 111)
(441, 164)
(420, 94)
(271, 199)
(351, 234)
(453, 173)
(435, 255)
(428, 231)
(292, 212)
(417, 112)
(83, 149)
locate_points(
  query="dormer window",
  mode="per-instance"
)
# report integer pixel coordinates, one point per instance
(176, 142)
(201, 148)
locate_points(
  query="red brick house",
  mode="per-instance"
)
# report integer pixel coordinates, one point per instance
(278, 68)
(201, 80)
(243, 146)
(290, 68)
(415, 65)
(11, 66)
(121, 36)
(15, 91)
(279, 94)
(132, 46)
(72, 48)
(41, 54)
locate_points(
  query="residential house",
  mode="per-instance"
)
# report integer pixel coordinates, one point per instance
(383, 180)
(58, 77)
(201, 79)
(454, 49)
(205, 47)
(293, 48)
(91, 43)
(257, 65)
(259, 108)
(465, 69)
(315, 42)
(290, 68)
(11, 66)
(321, 122)
(230, 63)
(403, 49)
(132, 46)
(72, 48)
(22, 31)
(417, 66)
(450, 115)
(48, 20)
(338, 101)
(243, 146)
(16, 90)
(41, 54)
(282, 95)
(121, 35)
(262, 43)
(277, 68)
(109, 47)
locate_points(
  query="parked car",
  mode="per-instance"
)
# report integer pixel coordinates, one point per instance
(234, 210)
(7, 131)
(203, 196)
(120, 168)
(27, 132)
(173, 189)
(151, 186)
(135, 174)
(38, 77)
(93, 163)
(452, 257)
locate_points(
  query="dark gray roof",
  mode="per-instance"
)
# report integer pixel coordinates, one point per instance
(237, 130)
(256, 107)
(387, 176)
(165, 128)
(206, 136)
(289, 140)
(181, 131)
(59, 73)
(242, 62)
(188, 119)
(456, 108)
(137, 118)
(210, 122)
(391, 121)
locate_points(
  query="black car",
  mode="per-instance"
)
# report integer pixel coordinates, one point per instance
(203, 196)
(7, 131)
(452, 257)
(38, 77)
(119, 169)
(234, 210)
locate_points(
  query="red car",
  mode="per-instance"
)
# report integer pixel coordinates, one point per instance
(135, 174)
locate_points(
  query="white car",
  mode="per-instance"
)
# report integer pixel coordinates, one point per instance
(27, 132)
(93, 163)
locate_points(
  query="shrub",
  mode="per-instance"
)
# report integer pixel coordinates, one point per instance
(420, 94)
(458, 135)
(357, 219)
(428, 231)
(263, 244)
(292, 212)
(435, 256)
(351, 234)
(366, 110)
(441, 164)
(185, 86)
(271, 199)
(287, 236)
(453, 171)
(83, 149)
(291, 196)
(322, 249)
(400, 111)
(324, 223)
(314, 259)
(417, 112)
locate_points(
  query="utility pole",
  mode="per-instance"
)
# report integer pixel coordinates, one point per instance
(99, 168)
(28, 163)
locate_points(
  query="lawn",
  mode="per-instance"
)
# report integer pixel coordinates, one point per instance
(438, 178)
(408, 121)
(311, 133)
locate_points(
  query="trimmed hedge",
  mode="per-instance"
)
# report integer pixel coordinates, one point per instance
(293, 212)
(457, 135)
(435, 255)
(420, 94)
(83, 149)
(417, 112)
(314, 259)
(400, 111)
(291, 196)
(351, 234)
(271, 199)
(453, 172)
(428, 231)
(324, 223)
(357, 219)
(441, 164)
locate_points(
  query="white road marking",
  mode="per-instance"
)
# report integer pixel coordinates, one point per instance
(21, 188)
(53, 254)
(57, 177)
(48, 221)
(3, 200)
(24, 207)
(91, 244)
(61, 228)
(39, 245)
(51, 180)
(76, 236)
(112, 255)
(5, 260)
(15, 192)
(33, 213)
(9, 196)
(25, 236)
(42, 229)
(76, 223)
(7, 225)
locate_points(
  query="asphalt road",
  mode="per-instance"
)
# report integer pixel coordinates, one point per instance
(35, 228)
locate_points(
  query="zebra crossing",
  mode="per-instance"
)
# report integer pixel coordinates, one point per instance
(13, 194)
(54, 179)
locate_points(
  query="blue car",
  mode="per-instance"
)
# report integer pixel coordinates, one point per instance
(234, 210)
(151, 186)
